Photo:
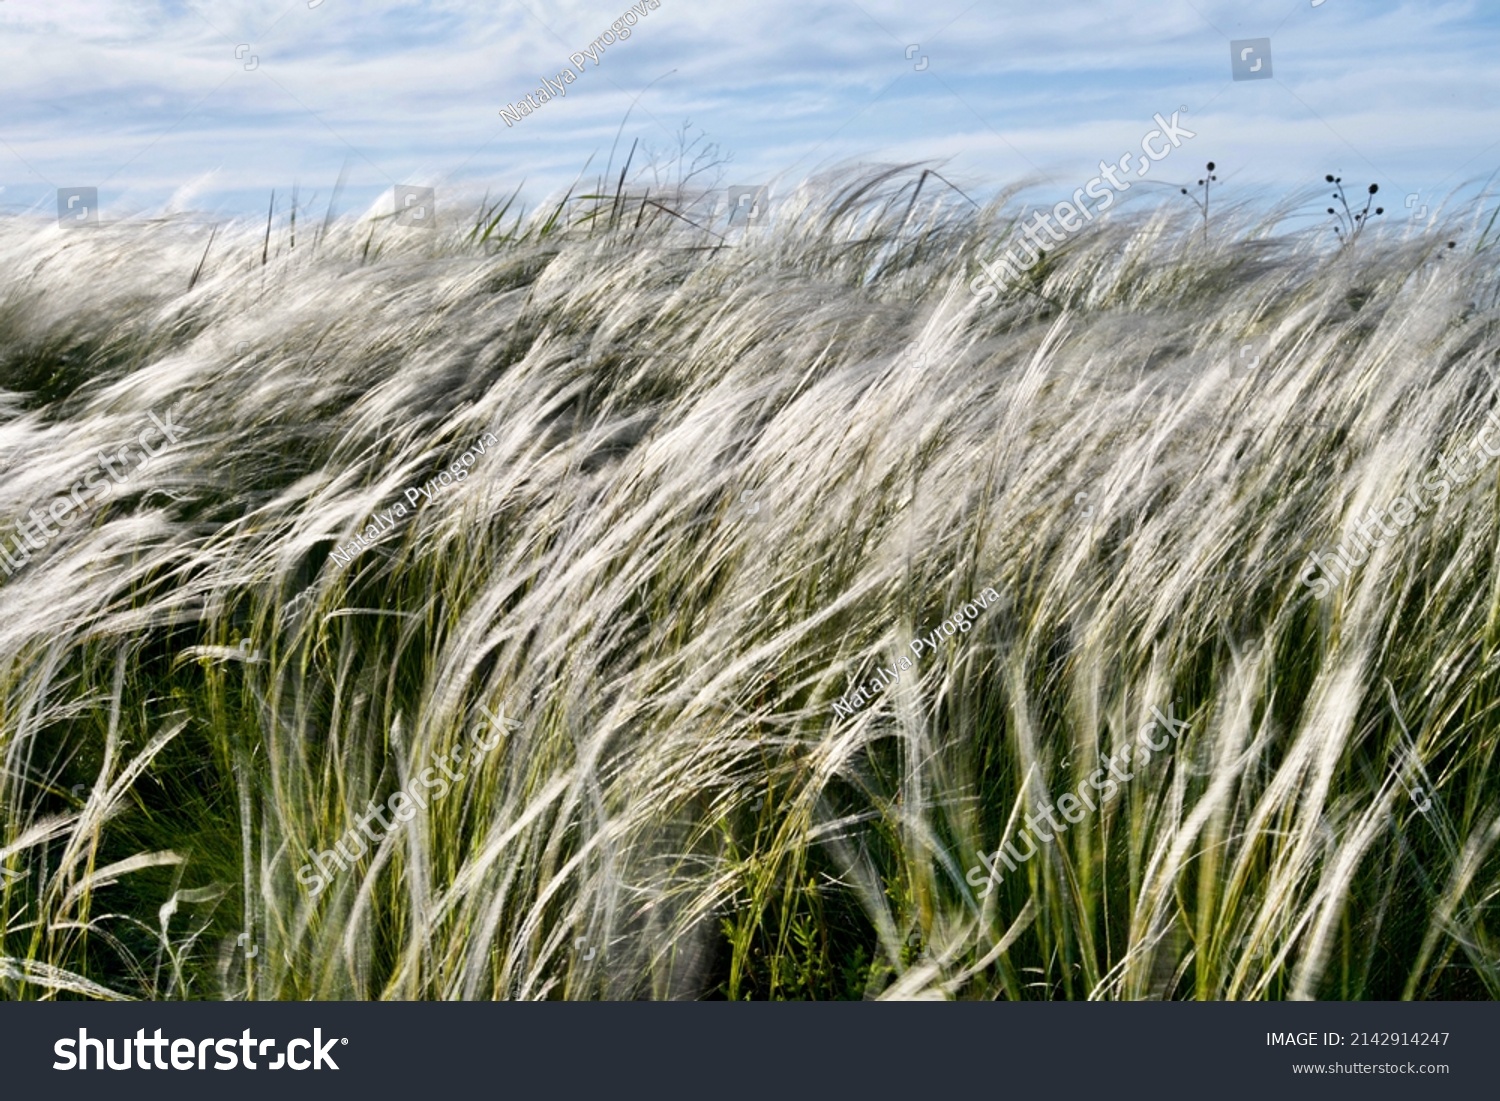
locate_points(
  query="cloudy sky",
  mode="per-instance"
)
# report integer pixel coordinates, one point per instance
(209, 104)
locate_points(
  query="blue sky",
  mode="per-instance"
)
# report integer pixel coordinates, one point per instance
(147, 100)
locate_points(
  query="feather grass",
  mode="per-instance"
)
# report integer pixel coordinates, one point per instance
(720, 495)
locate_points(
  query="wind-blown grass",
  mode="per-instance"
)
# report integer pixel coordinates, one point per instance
(720, 498)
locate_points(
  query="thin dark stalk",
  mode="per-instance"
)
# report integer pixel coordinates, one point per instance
(626, 119)
(914, 196)
(1485, 236)
(933, 172)
(265, 248)
(1207, 187)
(192, 282)
(485, 210)
(333, 202)
(679, 217)
(494, 221)
(620, 186)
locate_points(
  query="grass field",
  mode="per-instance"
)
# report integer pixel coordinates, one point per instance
(724, 480)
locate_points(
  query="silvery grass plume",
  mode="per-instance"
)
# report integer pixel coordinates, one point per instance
(730, 475)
